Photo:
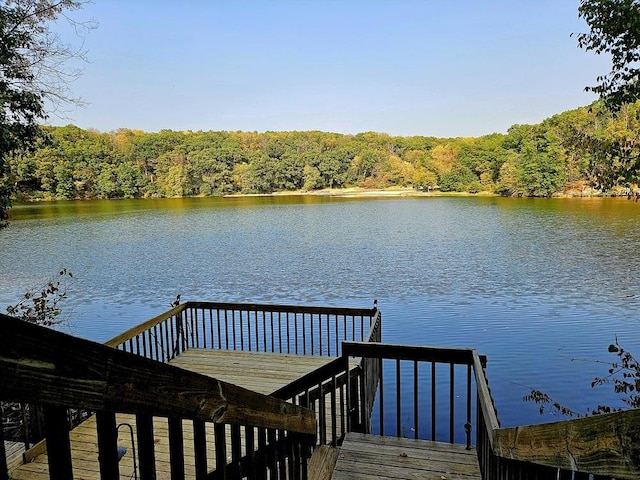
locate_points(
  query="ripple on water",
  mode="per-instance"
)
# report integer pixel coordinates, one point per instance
(538, 286)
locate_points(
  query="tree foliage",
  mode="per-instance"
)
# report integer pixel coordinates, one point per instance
(32, 72)
(623, 374)
(565, 153)
(615, 30)
(42, 305)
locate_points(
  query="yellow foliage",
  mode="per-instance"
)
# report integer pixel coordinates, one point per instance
(444, 157)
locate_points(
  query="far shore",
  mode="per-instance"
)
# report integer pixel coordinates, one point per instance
(412, 192)
(365, 192)
(359, 192)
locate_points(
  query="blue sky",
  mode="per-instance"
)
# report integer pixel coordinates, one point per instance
(433, 67)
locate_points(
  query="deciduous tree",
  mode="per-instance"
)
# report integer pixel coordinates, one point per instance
(32, 72)
(614, 29)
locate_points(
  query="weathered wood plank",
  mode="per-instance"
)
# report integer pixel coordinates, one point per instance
(259, 371)
(59, 369)
(156, 437)
(13, 453)
(84, 438)
(322, 463)
(84, 452)
(601, 444)
(367, 456)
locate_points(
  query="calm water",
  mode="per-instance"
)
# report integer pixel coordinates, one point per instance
(540, 286)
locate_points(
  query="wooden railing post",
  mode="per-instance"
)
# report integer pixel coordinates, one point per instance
(58, 445)
(200, 449)
(107, 445)
(146, 448)
(176, 448)
(220, 433)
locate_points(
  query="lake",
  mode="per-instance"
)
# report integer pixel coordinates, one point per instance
(541, 286)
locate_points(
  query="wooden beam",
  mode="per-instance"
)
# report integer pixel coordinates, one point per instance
(460, 356)
(485, 401)
(138, 329)
(601, 444)
(257, 307)
(40, 365)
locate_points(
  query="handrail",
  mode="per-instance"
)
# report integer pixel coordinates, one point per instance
(134, 331)
(290, 329)
(44, 366)
(407, 418)
(605, 445)
(254, 307)
(485, 400)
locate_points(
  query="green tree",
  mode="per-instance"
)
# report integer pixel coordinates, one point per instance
(538, 167)
(32, 59)
(458, 179)
(615, 30)
(424, 179)
(509, 180)
(312, 178)
(613, 147)
(260, 176)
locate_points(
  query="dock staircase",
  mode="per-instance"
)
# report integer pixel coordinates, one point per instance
(345, 415)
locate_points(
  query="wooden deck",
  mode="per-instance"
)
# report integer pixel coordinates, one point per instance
(14, 451)
(261, 372)
(372, 457)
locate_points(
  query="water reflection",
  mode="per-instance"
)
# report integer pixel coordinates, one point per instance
(532, 283)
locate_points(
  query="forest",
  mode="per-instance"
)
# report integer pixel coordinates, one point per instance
(575, 152)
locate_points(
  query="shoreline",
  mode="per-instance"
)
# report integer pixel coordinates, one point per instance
(364, 192)
(352, 192)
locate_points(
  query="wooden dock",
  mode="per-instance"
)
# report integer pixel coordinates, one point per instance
(258, 371)
(205, 413)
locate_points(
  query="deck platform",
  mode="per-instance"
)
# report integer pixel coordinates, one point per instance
(373, 457)
(261, 372)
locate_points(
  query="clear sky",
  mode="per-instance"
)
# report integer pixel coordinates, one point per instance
(433, 67)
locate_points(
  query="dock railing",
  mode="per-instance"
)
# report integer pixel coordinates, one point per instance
(422, 392)
(427, 393)
(299, 330)
(599, 447)
(442, 394)
(60, 372)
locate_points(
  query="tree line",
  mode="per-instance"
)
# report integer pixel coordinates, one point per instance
(567, 152)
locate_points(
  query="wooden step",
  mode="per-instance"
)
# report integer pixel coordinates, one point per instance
(368, 457)
(322, 463)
